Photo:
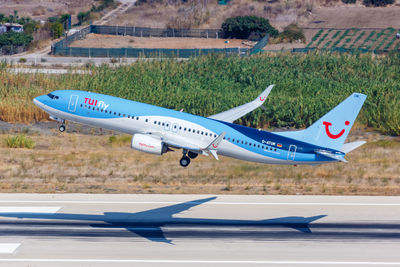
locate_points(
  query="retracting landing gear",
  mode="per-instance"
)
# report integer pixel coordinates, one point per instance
(185, 160)
(61, 128)
(192, 155)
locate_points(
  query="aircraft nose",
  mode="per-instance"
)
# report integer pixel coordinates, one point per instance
(38, 101)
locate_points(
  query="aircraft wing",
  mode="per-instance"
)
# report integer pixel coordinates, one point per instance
(211, 148)
(235, 113)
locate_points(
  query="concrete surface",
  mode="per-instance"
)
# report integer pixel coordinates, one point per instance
(198, 230)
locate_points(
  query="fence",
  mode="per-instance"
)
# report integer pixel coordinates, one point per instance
(63, 48)
(260, 45)
(65, 42)
(156, 32)
(10, 49)
(144, 52)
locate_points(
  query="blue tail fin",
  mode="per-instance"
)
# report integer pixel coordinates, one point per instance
(332, 129)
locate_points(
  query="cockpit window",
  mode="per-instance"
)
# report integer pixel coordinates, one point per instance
(52, 96)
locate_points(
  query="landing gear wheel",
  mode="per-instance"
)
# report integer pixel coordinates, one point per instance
(192, 155)
(185, 161)
(62, 128)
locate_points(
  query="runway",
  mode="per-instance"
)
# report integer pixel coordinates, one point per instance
(221, 230)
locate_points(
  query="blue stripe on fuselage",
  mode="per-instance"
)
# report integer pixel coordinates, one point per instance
(133, 108)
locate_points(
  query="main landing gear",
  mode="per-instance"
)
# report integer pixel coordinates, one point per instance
(185, 160)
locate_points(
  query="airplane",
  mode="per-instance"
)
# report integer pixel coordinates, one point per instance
(158, 130)
(148, 223)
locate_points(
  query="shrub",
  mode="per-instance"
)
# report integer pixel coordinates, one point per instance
(19, 141)
(22, 60)
(242, 26)
(83, 17)
(349, 1)
(292, 33)
(377, 2)
(120, 140)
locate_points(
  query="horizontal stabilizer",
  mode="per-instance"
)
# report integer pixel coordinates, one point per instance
(328, 154)
(346, 148)
(235, 113)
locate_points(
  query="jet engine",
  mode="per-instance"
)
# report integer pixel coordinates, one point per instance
(146, 143)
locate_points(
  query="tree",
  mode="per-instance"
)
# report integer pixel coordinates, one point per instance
(242, 26)
(57, 30)
(15, 39)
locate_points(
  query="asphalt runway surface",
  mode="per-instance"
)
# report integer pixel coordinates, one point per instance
(198, 230)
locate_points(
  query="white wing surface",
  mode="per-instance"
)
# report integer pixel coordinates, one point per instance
(238, 112)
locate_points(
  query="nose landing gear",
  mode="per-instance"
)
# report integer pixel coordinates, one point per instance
(61, 128)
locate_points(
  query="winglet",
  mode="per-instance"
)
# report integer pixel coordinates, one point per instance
(264, 94)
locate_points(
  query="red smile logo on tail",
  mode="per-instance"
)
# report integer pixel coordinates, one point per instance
(262, 98)
(333, 136)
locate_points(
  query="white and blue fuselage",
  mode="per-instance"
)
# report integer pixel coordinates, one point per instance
(175, 129)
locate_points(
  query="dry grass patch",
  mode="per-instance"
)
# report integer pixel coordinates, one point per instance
(80, 164)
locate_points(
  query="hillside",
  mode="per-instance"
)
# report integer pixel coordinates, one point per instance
(208, 14)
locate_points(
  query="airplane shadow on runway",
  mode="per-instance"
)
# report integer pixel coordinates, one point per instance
(148, 224)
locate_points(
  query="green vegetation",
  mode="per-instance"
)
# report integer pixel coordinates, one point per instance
(242, 26)
(15, 39)
(307, 86)
(349, 1)
(103, 5)
(19, 141)
(86, 16)
(15, 18)
(355, 38)
(292, 33)
(83, 17)
(119, 140)
(57, 30)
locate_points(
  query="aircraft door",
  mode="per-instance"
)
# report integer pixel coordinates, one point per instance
(72, 103)
(291, 152)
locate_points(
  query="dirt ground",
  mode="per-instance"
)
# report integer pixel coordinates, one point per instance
(92, 162)
(41, 9)
(113, 41)
(280, 13)
(355, 16)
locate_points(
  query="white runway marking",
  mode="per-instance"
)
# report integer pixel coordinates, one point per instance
(8, 247)
(207, 203)
(21, 209)
(361, 263)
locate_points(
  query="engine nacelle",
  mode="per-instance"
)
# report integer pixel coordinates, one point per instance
(148, 144)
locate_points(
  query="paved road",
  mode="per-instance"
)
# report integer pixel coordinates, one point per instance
(170, 230)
